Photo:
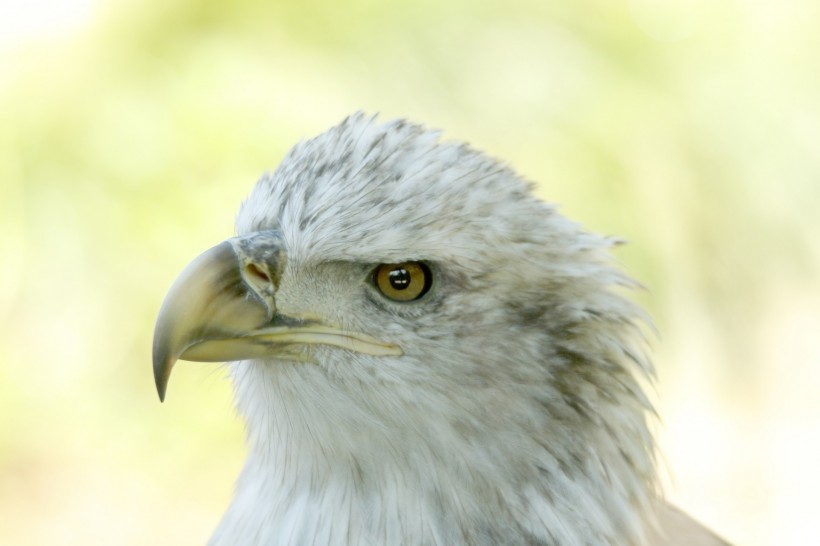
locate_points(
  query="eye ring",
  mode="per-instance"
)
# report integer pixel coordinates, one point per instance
(403, 282)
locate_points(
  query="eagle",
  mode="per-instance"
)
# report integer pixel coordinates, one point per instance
(424, 353)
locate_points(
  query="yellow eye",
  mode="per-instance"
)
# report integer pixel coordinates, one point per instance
(406, 281)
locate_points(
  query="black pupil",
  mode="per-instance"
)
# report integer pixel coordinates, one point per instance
(399, 278)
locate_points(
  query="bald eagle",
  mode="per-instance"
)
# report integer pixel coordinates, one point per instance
(424, 354)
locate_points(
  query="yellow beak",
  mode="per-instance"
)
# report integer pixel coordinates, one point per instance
(222, 308)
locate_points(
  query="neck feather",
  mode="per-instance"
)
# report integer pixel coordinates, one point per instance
(324, 468)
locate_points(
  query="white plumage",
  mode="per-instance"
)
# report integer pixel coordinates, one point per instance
(503, 406)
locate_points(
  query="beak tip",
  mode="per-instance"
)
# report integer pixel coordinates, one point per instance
(162, 372)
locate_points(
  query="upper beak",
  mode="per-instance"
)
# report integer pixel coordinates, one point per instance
(222, 308)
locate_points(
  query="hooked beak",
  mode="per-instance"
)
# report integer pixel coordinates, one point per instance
(222, 308)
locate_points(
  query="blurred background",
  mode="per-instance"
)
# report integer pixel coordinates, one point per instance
(131, 130)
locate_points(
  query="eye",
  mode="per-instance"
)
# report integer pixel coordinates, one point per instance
(406, 281)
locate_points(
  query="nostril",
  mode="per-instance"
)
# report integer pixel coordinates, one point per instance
(256, 272)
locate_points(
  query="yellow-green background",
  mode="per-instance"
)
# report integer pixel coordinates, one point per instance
(131, 130)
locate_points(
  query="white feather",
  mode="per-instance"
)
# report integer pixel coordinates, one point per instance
(516, 414)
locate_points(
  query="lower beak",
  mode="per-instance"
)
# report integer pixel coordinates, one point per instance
(222, 308)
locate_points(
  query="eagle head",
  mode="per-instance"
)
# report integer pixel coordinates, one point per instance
(424, 353)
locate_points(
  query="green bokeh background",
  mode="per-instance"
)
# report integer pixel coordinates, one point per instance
(130, 131)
